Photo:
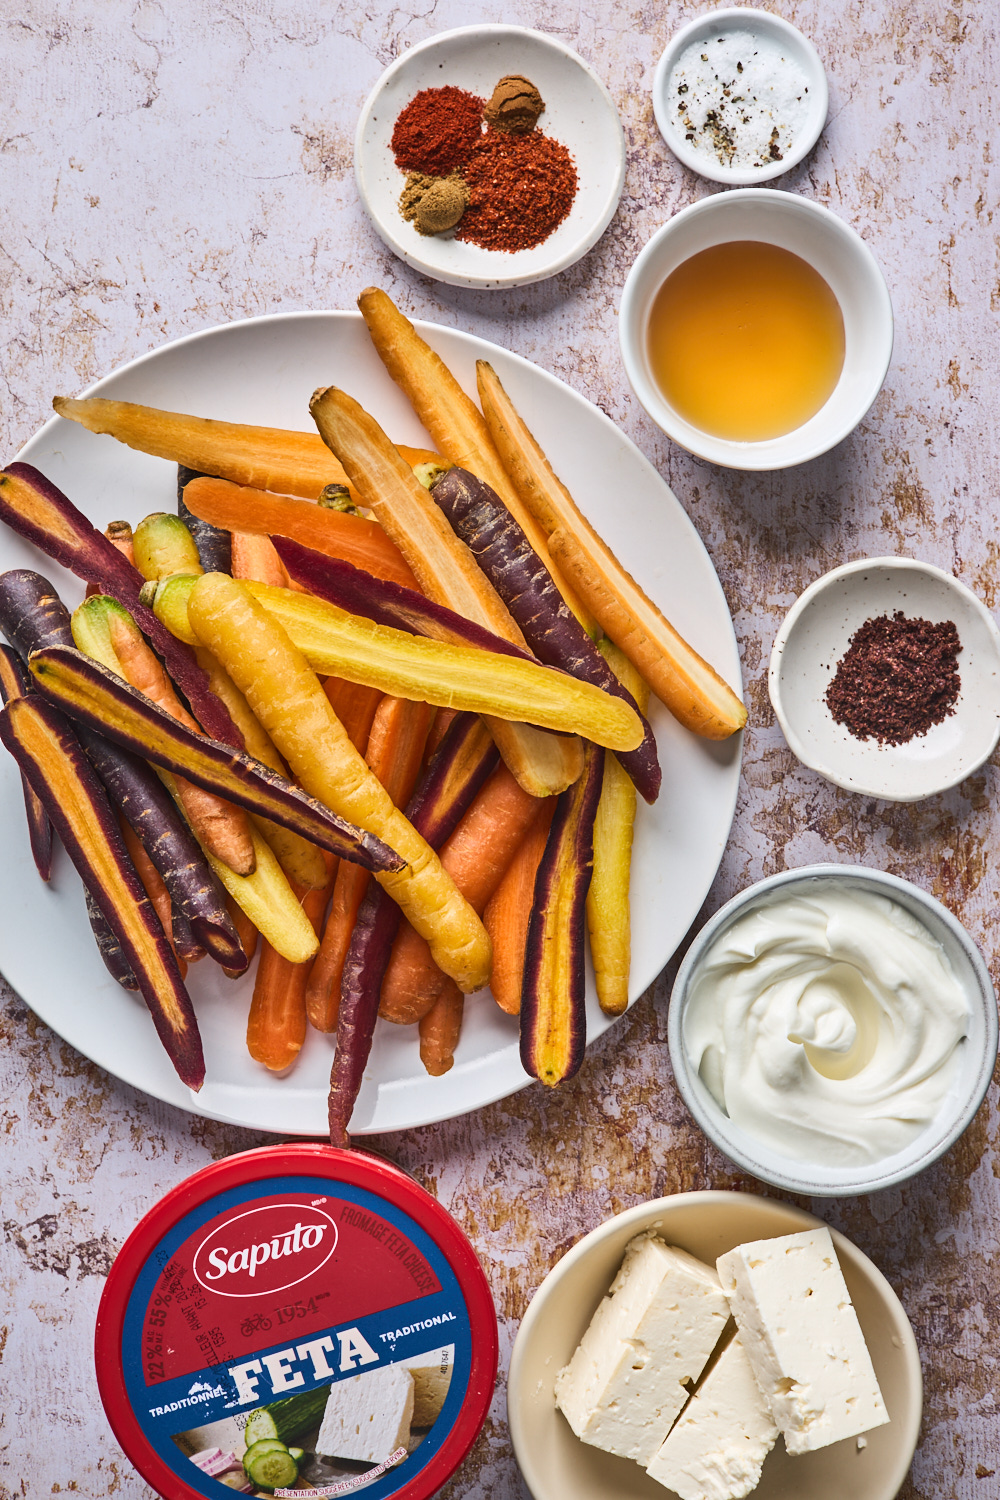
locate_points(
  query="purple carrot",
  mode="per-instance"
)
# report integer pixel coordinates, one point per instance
(215, 546)
(42, 514)
(33, 617)
(90, 694)
(14, 683)
(456, 772)
(553, 1015)
(525, 585)
(351, 588)
(108, 946)
(52, 758)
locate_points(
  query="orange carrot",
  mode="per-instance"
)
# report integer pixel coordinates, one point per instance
(395, 750)
(443, 721)
(439, 1030)
(222, 828)
(119, 534)
(248, 934)
(276, 1025)
(475, 856)
(353, 538)
(154, 888)
(355, 706)
(255, 557)
(508, 910)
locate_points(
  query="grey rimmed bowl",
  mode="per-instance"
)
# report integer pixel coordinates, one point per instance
(977, 1053)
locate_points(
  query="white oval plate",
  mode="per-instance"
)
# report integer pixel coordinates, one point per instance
(263, 371)
(814, 637)
(579, 112)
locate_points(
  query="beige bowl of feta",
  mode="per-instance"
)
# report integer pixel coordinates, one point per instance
(557, 1465)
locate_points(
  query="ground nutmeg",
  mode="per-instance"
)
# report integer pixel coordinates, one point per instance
(897, 678)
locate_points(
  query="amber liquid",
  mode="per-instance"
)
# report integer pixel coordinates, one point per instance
(746, 341)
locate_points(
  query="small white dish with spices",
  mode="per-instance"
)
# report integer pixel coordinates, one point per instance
(579, 113)
(740, 96)
(814, 640)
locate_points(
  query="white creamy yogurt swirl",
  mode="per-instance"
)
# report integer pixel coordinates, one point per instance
(826, 1025)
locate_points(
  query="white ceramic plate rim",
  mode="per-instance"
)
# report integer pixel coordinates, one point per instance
(294, 1105)
(787, 450)
(804, 602)
(747, 19)
(808, 1177)
(524, 271)
(644, 1213)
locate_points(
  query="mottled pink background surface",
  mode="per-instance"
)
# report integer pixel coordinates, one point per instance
(169, 166)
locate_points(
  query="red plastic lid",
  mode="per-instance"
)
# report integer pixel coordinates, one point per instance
(302, 1298)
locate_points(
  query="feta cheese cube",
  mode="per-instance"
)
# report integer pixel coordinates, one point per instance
(368, 1416)
(653, 1332)
(717, 1447)
(803, 1338)
(431, 1378)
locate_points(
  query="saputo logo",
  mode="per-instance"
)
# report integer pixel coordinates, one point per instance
(264, 1250)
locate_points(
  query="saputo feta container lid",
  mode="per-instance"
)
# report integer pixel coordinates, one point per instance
(307, 1298)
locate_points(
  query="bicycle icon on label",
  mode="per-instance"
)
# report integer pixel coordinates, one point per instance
(257, 1323)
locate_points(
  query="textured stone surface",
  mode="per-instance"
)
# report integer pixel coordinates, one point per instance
(172, 166)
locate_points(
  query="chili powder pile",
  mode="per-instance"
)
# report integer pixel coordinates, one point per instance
(520, 188)
(521, 184)
(897, 678)
(438, 131)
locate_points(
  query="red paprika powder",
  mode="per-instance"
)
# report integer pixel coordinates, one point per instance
(437, 131)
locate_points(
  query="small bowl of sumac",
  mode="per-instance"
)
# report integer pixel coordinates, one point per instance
(885, 678)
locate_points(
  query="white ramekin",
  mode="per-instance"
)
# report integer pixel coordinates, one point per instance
(759, 22)
(833, 249)
(977, 1053)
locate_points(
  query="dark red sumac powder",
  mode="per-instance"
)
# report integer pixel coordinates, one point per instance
(896, 679)
(520, 188)
(437, 131)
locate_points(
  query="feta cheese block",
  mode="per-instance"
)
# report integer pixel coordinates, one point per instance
(803, 1338)
(654, 1331)
(368, 1416)
(717, 1447)
(431, 1378)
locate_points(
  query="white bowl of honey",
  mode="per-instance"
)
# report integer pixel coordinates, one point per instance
(756, 329)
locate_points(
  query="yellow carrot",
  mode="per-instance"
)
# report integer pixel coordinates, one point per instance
(269, 901)
(287, 698)
(608, 914)
(445, 569)
(301, 861)
(452, 418)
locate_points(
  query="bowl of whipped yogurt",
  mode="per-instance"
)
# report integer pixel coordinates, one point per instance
(833, 1030)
